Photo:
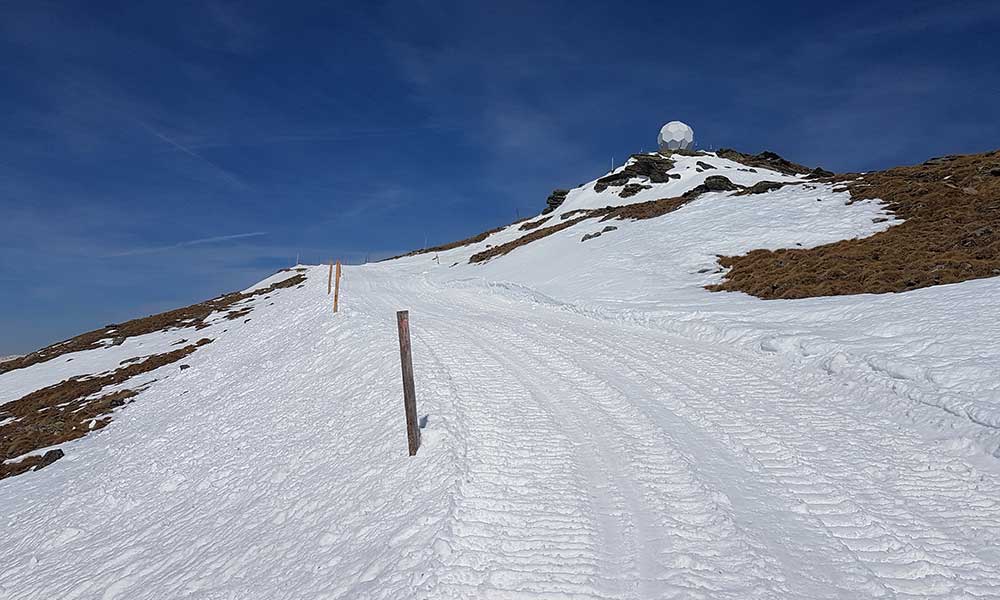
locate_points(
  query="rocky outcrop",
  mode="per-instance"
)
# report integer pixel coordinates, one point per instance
(631, 189)
(684, 152)
(718, 183)
(762, 187)
(769, 160)
(598, 234)
(819, 172)
(555, 200)
(652, 167)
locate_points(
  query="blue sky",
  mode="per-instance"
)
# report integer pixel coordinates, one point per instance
(157, 154)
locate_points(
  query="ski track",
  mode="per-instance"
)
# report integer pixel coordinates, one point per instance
(912, 526)
(857, 513)
(563, 457)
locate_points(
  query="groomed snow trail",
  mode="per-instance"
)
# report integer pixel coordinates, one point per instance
(614, 461)
(564, 457)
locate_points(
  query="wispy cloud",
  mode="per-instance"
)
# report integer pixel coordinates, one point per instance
(187, 150)
(188, 243)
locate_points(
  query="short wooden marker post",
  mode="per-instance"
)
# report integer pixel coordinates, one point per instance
(336, 288)
(409, 392)
(329, 279)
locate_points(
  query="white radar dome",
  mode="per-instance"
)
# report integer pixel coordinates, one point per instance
(675, 136)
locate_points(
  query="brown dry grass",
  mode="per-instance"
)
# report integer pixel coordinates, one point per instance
(647, 210)
(74, 407)
(190, 316)
(533, 224)
(64, 411)
(538, 234)
(951, 233)
(638, 211)
(658, 208)
(452, 245)
(772, 161)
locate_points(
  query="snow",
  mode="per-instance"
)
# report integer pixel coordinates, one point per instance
(598, 425)
(584, 197)
(20, 382)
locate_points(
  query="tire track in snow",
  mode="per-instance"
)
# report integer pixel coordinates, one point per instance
(688, 544)
(521, 526)
(680, 555)
(853, 575)
(931, 564)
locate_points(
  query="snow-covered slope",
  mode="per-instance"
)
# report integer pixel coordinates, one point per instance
(688, 175)
(595, 425)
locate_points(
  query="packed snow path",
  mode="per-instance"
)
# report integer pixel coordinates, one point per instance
(564, 457)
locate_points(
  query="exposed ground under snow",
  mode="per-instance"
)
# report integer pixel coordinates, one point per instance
(597, 426)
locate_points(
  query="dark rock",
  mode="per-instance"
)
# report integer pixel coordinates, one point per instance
(762, 187)
(555, 200)
(632, 189)
(609, 228)
(719, 183)
(185, 367)
(819, 172)
(715, 183)
(590, 236)
(684, 152)
(653, 167)
(48, 458)
(704, 165)
(765, 160)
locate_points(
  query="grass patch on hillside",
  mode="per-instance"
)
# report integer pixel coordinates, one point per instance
(190, 316)
(951, 233)
(76, 406)
(68, 410)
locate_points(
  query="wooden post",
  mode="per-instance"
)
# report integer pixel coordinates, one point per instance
(336, 289)
(329, 279)
(409, 393)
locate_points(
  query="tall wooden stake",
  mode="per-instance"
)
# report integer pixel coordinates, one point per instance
(329, 279)
(336, 288)
(409, 393)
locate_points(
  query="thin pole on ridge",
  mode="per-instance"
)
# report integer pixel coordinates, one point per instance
(329, 279)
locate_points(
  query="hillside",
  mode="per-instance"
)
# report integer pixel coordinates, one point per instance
(702, 375)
